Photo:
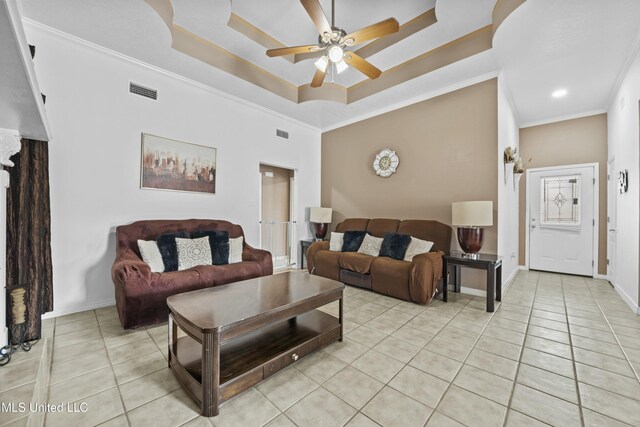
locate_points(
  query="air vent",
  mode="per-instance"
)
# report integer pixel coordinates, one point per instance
(137, 89)
(282, 134)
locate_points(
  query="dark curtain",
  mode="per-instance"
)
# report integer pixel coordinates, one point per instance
(29, 232)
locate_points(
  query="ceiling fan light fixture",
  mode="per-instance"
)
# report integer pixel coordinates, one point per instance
(341, 66)
(335, 53)
(322, 63)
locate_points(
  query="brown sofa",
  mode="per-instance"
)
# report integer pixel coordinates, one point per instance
(141, 295)
(416, 281)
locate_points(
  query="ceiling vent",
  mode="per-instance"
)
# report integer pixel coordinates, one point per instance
(282, 134)
(137, 89)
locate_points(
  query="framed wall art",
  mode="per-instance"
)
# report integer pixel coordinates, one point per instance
(173, 165)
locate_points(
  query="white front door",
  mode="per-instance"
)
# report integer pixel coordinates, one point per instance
(561, 220)
(612, 205)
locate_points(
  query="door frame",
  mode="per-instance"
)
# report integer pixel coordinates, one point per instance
(596, 209)
(611, 179)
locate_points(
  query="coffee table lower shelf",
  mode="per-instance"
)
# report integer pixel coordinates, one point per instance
(250, 358)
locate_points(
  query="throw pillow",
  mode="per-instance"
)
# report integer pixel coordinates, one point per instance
(395, 245)
(192, 252)
(168, 250)
(235, 250)
(219, 242)
(417, 247)
(370, 245)
(336, 241)
(151, 255)
(352, 240)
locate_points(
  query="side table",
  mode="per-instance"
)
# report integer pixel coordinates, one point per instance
(304, 245)
(492, 264)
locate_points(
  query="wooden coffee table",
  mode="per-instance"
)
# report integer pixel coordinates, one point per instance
(241, 333)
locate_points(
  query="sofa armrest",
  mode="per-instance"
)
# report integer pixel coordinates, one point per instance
(311, 253)
(128, 266)
(426, 272)
(260, 256)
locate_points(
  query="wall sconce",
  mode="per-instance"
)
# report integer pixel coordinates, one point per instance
(510, 156)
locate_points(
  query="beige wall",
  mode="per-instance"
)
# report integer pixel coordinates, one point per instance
(447, 148)
(568, 142)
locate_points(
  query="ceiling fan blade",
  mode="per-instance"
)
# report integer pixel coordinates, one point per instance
(317, 15)
(382, 28)
(318, 78)
(362, 65)
(292, 50)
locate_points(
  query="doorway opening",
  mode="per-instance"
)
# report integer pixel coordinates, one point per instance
(562, 219)
(277, 221)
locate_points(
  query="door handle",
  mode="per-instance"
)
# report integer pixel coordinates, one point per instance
(533, 226)
(612, 229)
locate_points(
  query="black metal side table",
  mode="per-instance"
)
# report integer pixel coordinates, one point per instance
(492, 264)
(304, 245)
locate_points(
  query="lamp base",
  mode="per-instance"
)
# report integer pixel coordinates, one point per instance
(321, 230)
(471, 239)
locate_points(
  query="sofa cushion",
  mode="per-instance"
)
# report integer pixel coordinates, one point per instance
(354, 261)
(327, 264)
(379, 226)
(219, 242)
(151, 255)
(352, 224)
(192, 252)
(417, 247)
(370, 245)
(169, 250)
(395, 245)
(352, 240)
(223, 274)
(391, 277)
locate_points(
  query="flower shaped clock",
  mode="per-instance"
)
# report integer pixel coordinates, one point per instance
(386, 163)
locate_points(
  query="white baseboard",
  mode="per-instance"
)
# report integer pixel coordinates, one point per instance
(601, 276)
(473, 291)
(523, 267)
(78, 308)
(507, 283)
(626, 298)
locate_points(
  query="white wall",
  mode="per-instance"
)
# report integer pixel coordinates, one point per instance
(95, 158)
(624, 134)
(508, 135)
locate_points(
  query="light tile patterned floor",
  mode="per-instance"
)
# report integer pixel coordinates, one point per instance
(560, 350)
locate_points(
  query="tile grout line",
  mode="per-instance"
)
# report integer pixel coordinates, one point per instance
(573, 357)
(515, 378)
(473, 346)
(615, 336)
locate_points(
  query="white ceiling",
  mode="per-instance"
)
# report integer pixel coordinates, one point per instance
(580, 44)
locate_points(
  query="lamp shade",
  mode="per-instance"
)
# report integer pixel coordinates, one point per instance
(472, 214)
(320, 215)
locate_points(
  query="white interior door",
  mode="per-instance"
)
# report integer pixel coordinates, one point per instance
(612, 208)
(561, 220)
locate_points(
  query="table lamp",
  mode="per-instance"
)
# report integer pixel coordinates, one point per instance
(321, 217)
(470, 218)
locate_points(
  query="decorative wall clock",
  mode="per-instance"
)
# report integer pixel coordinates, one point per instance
(386, 163)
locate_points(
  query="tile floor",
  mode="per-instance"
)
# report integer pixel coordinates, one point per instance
(559, 350)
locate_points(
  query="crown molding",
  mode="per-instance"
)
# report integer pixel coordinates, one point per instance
(106, 51)
(564, 118)
(9, 145)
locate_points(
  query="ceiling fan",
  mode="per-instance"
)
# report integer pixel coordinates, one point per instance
(334, 41)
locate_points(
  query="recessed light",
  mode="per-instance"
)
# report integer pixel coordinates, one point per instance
(559, 93)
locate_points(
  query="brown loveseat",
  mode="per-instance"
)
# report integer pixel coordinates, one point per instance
(416, 281)
(141, 295)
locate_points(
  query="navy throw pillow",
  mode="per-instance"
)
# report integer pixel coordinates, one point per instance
(394, 245)
(169, 249)
(352, 240)
(219, 242)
